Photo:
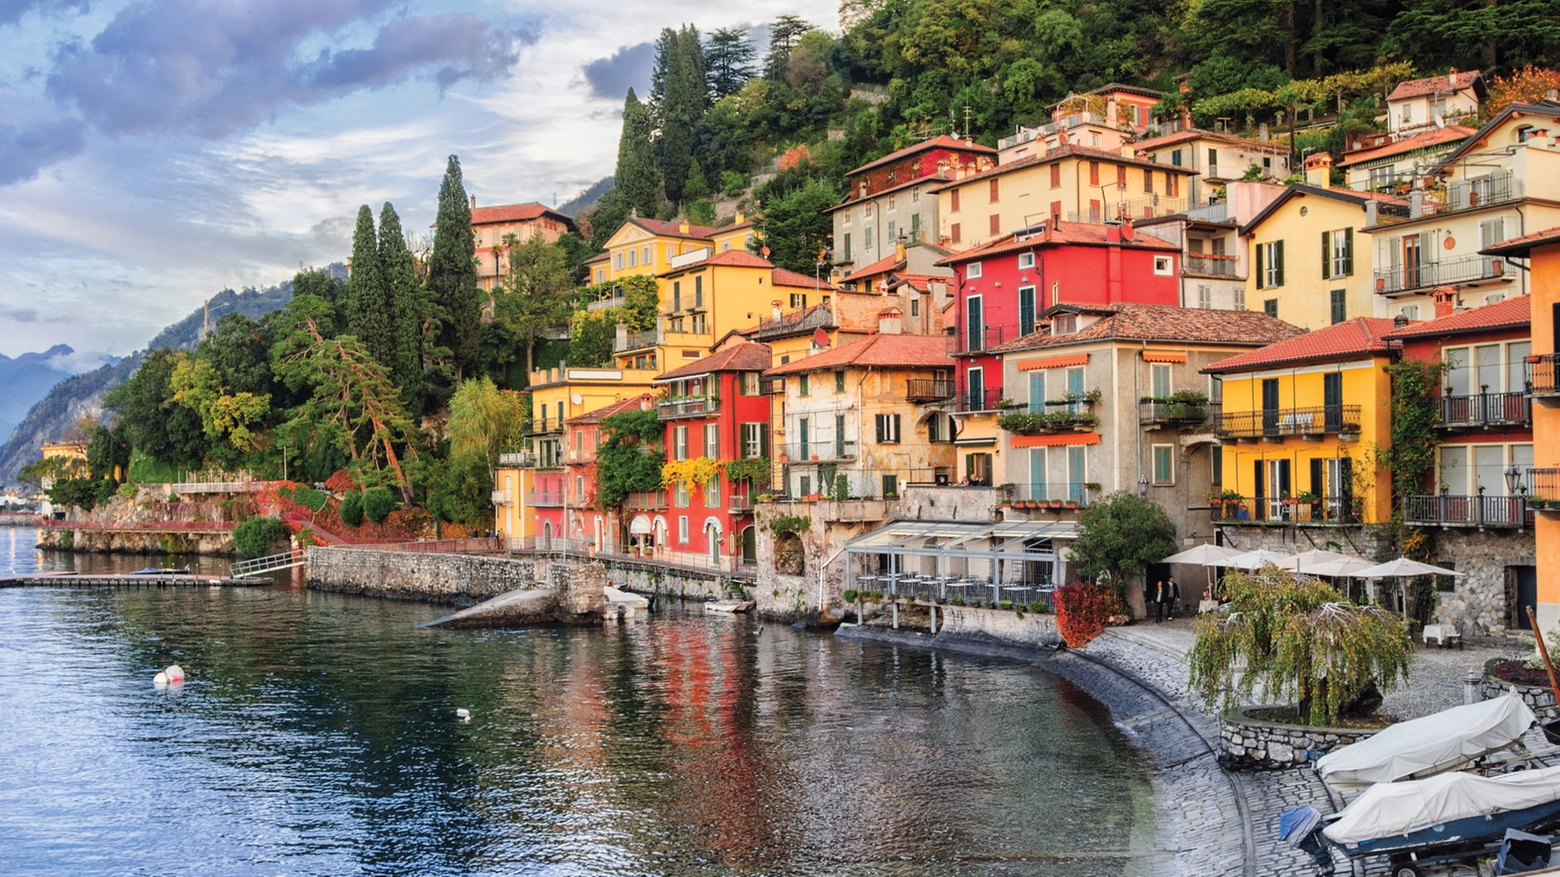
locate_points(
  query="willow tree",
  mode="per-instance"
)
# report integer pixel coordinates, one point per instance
(484, 421)
(1297, 643)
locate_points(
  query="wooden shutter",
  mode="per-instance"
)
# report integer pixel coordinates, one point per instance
(1261, 480)
(1261, 274)
(1348, 252)
(1318, 485)
(1326, 255)
(1278, 263)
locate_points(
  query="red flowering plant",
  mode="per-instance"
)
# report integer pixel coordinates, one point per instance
(1082, 612)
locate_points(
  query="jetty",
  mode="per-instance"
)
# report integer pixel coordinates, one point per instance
(127, 580)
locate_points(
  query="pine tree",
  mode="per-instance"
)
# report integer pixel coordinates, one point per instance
(784, 34)
(368, 311)
(635, 177)
(452, 274)
(728, 57)
(405, 310)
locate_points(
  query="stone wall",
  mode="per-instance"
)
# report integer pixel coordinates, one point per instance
(449, 579)
(1538, 698)
(1293, 539)
(1246, 743)
(1478, 604)
(134, 541)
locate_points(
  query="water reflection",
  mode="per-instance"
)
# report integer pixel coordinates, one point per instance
(317, 735)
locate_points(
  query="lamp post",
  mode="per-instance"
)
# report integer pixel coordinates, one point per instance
(1514, 485)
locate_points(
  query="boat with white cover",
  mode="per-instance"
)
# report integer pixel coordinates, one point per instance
(1448, 740)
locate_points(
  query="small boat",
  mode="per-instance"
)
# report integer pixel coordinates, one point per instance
(728, 606)
(1447, 740)
(161, 571)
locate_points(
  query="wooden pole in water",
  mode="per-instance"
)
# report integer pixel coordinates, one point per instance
(1543, 651)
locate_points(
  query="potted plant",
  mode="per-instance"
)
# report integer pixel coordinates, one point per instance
(1054, 503)
(1072, 503)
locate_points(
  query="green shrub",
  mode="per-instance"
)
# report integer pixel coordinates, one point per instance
(128, 490)
(1040, 607)
(256, 536)
(352, 508)
(850, 595)
(378, 503)
(732, 183)
(311, 499)
(1004, 604)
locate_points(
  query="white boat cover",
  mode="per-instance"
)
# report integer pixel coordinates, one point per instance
(1393, 809)
(1422, 747)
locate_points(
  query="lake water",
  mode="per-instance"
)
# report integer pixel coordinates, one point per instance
(317, 735)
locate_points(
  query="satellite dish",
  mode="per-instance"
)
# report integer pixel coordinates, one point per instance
(577, 399)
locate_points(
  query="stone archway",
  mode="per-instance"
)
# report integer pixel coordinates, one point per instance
(790, 557)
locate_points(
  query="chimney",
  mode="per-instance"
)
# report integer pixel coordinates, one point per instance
(1110, 111)
(1318, 170)
(683, 227)
(1445, 301)
(776, 304)
(899, 250)
(1113, 231)
(473, 202)
(1451, 78)
(890, 322)
(1400, 321)
(740, 218)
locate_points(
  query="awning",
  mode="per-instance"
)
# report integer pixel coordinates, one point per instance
(1005, 540)
(640, 525)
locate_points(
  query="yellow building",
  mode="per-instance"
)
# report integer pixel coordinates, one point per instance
(1300, 419)
(654, 246)
(1077, 183)
(1309, 265)
(1541, 251)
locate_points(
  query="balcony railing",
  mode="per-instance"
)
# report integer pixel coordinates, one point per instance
(1147, 207)
(545, 499)
(924, 390)
(1047, 494)
(739, 504)
(502, 497)
(1543, 375)
(637, 341)
(1326, 510)
(601, 304)
(821, 451)
(1281, 422)
(1469, 194)
(543, 426)
(1485, 409)
(976, 339)
(518, 460)
(1467, 511)
(1466, 269)
(644, 501)
(1159, 412)
(979, 400)
(1212, 264)
(697, 406)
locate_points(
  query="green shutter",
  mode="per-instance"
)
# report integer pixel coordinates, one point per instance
(1348, 252)
(1261, 275)
(1326, 255)
(1278, 263)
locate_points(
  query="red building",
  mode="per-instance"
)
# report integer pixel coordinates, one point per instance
(1002, 287)
(714, 410)
(589, 528)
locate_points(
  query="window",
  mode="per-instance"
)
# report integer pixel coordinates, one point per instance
(953, 232)
(1410, 312)
(601, 275)
(1164, 464)
(1337, 253)
(1064, 324)
(1094, 173)
(1095, 212)
(579, 488)
(996, 224)
(804, 486)
(798, 299)
(1037, 391)
(1164, 266)
(680, 495)
(1381, 177)
(617, 260)
(953, 202)
(1148, 181)
(1240, 298)
(671, 250)
(1159, 379)
(1026, 310)
(866, 237)
(633, 258)
(680, 442)
(839, 380)
(994, 183)
(890, 486)
(1175, 157)
(712, 441)
(972, 271)
(1213, 160)
(866, 212)
(1026, 261)
(1172, 185)
(698, 324)
(1270, 307)
(1121, 176)
(1056, 210)
(1204, 297)
(747, 384)
(682, 529)
(888, 429)
(1339, 310)
(712, 493)
(893, 230)
(915, 196)
(698, 291)
(939, 428)
(755, 440)
(915, 306)
(676, 296)
(890, 202)
(977, 470)
(648, 257)
(1270, 264)
(801, 389)
(1056, 176)
(847, 246)
(1216, 466)
(915, 226)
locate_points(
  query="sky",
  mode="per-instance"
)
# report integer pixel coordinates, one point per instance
(155, 152)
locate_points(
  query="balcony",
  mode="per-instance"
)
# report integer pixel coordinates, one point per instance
(1467, 511)
(739, 504)
(605, 303)
(1051, 495)
(1485, 410)
(1427, 275)
(697, 406)
(1327, 510)
(821, 451)
(977, 339)
(1280, 423)
(1208, 264)
(1435, 199)
(1069, 418)
(545, 499)
(1147, 207)
(920, 390)
(502, 497)
(1543, 375)
(1175, 413)
(979, 400)
(543, 426)
(517, 460)
(636, 341)
(645, 501)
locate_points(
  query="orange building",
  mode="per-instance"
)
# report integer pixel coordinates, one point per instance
(491, 225)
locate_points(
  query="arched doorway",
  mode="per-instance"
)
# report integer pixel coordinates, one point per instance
(712, 541)
(546, 535)
(749, 545)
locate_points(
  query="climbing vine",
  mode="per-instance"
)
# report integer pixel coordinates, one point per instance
(1415, 415)
(789, 524)
(693, 473)
(629, 459)
(755, 472)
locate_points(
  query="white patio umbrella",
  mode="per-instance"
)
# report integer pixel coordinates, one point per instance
(1257, 558)
(1345, 566)
(1403, 568)
(1205, 555)
(1303, 561)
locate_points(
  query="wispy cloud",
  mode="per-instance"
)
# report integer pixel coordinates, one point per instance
(628, 67)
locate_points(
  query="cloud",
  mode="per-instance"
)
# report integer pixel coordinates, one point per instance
(27, 150)
(629, 67)
(77, 361)
(20, 315)
(213, 68)
(11, 11)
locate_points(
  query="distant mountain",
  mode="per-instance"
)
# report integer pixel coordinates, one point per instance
(83, 394)
(26, 379)
(587, 199)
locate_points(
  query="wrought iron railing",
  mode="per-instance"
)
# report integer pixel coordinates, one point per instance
(1047, 494)
(1213, 264)
(928, 390)
(544, 499)
(543, 426)
(637, 340)
(978, 400)
(691, 407)
(978, 338)
(1543, 485)
(1281, 422)
(1445, 271)
(1478, 511)
(1294, 510)
(739, 504)
(823, 450)
(1543, 374)
(1156, 412)
(1483, 409)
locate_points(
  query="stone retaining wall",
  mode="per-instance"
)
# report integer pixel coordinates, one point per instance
(450, 579)
(1478, 603)
(1246, 743)
(1538, 698)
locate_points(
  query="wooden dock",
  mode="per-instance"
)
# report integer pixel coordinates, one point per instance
(125, 580)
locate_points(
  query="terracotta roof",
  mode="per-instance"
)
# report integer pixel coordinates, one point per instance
(1084, 233)
(919, 282)
(1422, 140)
(1061, 152)
(940, 142)
(1521, 247)
(879, 267)
(791, 320)
(748, 356)
(1511, 313)
(730, 258)
(1545, 108)
(854, 196)
(1307, 189)
(787, 277)
(1139, 90)
(673, 228)
(632, 403)
(1191, 134)
(879, 350)
(1361, 336)
(1432, 84)
(599, 257)
(1140, 322)
(516, 213)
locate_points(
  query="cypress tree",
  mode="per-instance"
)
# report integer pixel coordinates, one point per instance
(368, 309)
(635, 177)
(452, 274)
(687, 97)
(405, 310)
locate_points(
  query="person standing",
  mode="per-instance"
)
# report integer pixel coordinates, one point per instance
(1159, 601)
(1172, 594)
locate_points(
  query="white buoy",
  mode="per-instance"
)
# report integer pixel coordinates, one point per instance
(463, 714)
(175, 673)
(160, 680)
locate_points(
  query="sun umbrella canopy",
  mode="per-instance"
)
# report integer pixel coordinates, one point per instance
(1404, 567)
(1302, 561)
(1347, 566)
(1256, 559)
(1206, 554)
